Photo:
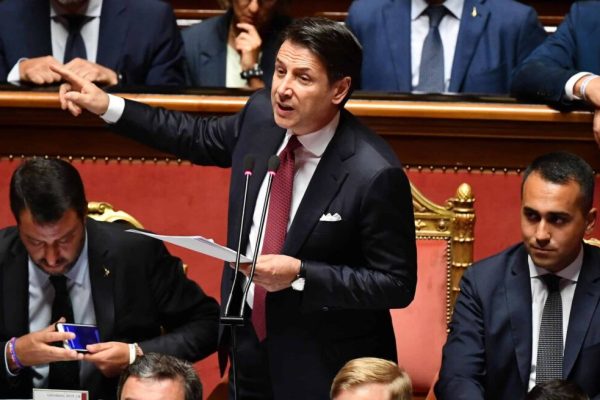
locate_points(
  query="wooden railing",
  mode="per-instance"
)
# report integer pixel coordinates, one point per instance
(440, 131)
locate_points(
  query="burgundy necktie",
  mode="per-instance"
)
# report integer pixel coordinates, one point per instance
(276, 226)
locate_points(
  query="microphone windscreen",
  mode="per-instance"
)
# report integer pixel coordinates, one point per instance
(248, 163)
(273, 163)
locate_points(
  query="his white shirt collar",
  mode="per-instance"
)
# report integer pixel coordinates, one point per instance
(454, 6)
(571, 272)
(316, 142)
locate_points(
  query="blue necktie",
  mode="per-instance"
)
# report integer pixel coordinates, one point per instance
(431, 70)
(550, 344)
(75, 46)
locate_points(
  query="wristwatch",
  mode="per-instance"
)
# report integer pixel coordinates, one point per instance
(298, 283)
(254, 72)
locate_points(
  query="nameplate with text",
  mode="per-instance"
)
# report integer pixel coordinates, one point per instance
(56, 394)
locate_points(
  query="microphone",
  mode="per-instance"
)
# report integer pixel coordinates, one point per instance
(273, 166)
(248, 168)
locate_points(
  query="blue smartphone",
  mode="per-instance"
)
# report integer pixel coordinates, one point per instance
(84, 335)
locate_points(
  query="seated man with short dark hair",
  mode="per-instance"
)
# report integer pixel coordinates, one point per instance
(530, 313)
(58, 265)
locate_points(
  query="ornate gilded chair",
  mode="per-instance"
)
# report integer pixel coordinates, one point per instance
(445, 235)
(101, 211)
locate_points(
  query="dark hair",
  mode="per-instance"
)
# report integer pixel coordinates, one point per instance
(155, 366)
(562, 167)
(47, 188)
(557, 389)
(333, 43)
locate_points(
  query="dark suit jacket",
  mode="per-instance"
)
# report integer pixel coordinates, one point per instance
(543, 75)
(489, 45)
(144, 291)
(357, 268)
(206, 50)
(488, 352)
(139, 39)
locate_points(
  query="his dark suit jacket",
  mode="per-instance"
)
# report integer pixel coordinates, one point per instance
(571, 49)
(357, 268)
(206, 50)
(144, 291)
(138, 39)
(488, 352)
(489, 45)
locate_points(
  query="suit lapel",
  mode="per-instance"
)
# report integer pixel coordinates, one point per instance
(16, 291)
(473, 21)
(102, 280)
(585, 303)
(325, 183)
(518, 298)
(396, 21)
(213, 57)
(113, 31)
(35, 27)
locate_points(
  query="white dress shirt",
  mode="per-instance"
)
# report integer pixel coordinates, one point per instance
(234, 69)
(539, 293)
(449, 27)
(307, 158)
(90, 32)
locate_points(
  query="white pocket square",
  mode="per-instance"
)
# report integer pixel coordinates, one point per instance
(331, 218)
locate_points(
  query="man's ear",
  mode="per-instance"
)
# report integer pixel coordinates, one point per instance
(341, 89)
(590, 220)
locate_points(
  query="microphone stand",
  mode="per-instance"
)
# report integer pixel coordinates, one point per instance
(232, 320)
(226, 318)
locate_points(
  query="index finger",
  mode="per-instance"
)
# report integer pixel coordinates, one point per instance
(75, 81)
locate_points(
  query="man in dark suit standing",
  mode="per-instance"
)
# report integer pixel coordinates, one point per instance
(468, 46)
(340, 253)
(564, 70)
(57, 265)
(530, 313)
(128, 42)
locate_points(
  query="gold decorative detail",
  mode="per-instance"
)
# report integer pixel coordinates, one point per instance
(101, 211)
(453, 222)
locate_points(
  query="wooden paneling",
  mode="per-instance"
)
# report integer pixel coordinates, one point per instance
(424, 133)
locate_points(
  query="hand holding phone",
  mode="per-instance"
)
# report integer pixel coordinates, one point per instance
(84, 335)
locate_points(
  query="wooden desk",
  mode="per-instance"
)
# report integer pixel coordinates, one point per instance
(449, 134)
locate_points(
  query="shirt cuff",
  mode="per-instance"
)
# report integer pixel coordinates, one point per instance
(14, 76)
(116, 106)
(6, 361)
(570, 85)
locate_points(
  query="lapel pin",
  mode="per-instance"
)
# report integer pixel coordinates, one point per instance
(474, 12)
(106, 271)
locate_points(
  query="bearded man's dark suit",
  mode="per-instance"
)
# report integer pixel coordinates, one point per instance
(138, 39)
(488, 352)
(144, 291)
(357, 268)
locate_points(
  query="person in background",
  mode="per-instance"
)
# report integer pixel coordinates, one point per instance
(557, 389)
(110, 42)
(57, 265)
(156, 376)
(435, 46)
(370, 378)
(236, 49)
(563, 71)
(339, 247)
(530, 313)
